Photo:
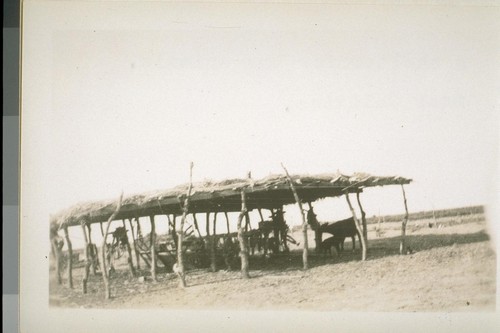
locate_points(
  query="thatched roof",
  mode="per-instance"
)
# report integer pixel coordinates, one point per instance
(225, 196)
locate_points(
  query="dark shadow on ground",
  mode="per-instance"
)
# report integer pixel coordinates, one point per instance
(390, 246)
(377, 248)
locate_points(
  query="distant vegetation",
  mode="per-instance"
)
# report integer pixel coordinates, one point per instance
(464, 211)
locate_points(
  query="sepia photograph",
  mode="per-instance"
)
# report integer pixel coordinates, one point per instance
(199, 164)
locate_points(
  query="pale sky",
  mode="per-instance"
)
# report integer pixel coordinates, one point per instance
(123, 96)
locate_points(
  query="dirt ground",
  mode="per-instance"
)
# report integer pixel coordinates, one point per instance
(452, 268)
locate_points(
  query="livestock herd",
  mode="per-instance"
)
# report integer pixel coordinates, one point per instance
(270, 238)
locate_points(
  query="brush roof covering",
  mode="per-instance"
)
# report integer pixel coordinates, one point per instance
(224, 196)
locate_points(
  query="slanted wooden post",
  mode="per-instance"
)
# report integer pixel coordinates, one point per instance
(227, 223)
(87, 257)
(363, 219)
(152, 240)
(105, 277)
(102, 230)
(129, 251)
(403, 245)
(179, 265)
(213, 245)
(358, 227)
(196, 225)
(241, 238)
(304, 222)
(70, 257)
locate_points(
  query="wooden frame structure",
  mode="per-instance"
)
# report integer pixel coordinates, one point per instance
(232, 195)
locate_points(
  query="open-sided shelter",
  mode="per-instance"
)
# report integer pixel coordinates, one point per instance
(272, 192)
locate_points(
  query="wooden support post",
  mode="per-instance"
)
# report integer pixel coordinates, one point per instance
(207, 231)
(152, 240)
(358, 227)
(169, 224)
(227, 223)
(102, 230)
(363, 219)
(403, 245)
(315, 226)
(213, 245)
(241, 238)
(179, 265)
(107, 291)
(56, 244)
(137, 260)
(304, 222)
(129, 251)
(139, 235)
(174, 231)
(207, 225)
(214, 225)
(196, 225)
(91, 250)
(89, 229)
(247, 222)
(70, 257)
(87, 258)
(276, 229)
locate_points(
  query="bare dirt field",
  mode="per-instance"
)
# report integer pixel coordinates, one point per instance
(452, 268)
